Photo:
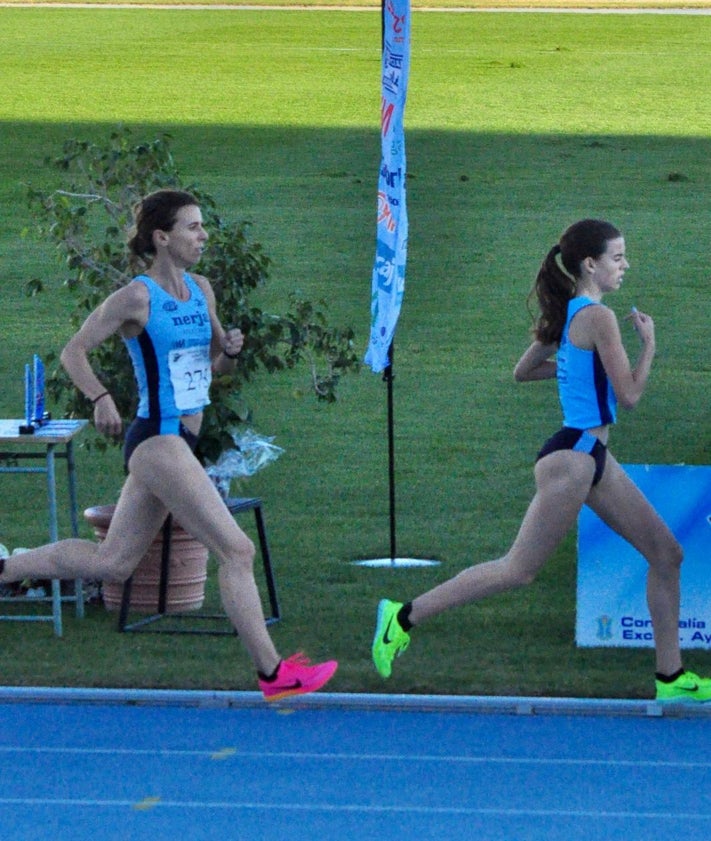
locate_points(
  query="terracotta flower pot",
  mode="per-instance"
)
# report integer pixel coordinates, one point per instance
(186, 577)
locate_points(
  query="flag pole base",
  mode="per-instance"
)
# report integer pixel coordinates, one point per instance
(395, 563)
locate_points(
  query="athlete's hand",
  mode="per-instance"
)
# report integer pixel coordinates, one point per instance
(106, 417)
(232, 342)
(643, 324)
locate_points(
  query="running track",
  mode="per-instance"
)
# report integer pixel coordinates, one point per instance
(134, 765)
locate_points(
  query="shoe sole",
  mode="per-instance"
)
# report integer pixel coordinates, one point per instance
(301, 690)
(683, 699)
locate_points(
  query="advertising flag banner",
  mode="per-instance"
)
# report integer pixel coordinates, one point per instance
(612, 607)
(388, 282)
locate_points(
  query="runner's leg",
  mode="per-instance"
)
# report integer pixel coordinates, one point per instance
(169, 471)
(135, 523)
(562, 482)
(620, 503)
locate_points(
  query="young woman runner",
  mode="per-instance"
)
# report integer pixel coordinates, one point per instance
(574, 467)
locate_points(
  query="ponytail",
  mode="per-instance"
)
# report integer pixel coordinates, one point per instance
(556, 282)
(553, 288)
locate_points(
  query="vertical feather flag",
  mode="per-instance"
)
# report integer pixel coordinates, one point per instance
(388, 282)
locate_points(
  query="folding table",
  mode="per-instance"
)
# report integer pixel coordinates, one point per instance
(51, 440)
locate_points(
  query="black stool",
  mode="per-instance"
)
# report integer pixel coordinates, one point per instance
(235, 505)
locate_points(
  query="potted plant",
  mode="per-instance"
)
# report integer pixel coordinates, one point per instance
(87, 219)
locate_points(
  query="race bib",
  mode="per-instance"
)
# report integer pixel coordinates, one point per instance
(190, 376)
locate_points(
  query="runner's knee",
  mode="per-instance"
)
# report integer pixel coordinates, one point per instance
(115, 566)
(240, 556)
(666, 554)
(515, 575)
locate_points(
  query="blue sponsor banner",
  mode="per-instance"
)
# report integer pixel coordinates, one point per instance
(388, 281)
(611, 604)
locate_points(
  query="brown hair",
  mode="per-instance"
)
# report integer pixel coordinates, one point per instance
(553, 287)
(156, 212)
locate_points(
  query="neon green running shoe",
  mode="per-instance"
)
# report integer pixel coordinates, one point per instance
(687, 687)
(390, 640)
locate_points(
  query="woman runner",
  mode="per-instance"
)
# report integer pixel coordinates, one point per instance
(574, 467)
(168, 321)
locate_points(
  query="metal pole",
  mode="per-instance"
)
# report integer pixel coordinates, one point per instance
(388, 376)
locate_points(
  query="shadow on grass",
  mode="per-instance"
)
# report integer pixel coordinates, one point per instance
(483, 211)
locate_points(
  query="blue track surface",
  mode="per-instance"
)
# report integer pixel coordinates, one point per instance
(193, 766)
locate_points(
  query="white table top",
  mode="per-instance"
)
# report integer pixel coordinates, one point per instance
(50, 432)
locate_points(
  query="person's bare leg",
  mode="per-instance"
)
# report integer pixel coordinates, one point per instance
(621, 504)
(138, 517)
(167, 468)
(562, 482)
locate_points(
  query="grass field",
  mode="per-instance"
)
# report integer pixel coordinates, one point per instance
(517, 124)
(505, 5)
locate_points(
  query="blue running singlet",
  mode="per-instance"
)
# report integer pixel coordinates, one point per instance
(171, 356)
(586, 395)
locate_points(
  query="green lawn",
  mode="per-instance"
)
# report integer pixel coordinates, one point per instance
(298, 5)
(516, 125)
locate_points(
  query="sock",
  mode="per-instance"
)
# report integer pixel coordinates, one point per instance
(403, 617)
(269, 678)
(669, 678)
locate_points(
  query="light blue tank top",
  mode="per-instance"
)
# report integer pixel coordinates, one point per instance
(171, 356)
(586, 395)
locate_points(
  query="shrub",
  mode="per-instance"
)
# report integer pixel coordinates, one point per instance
(87, 220)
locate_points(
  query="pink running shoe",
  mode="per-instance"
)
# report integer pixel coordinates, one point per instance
(297, 676)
